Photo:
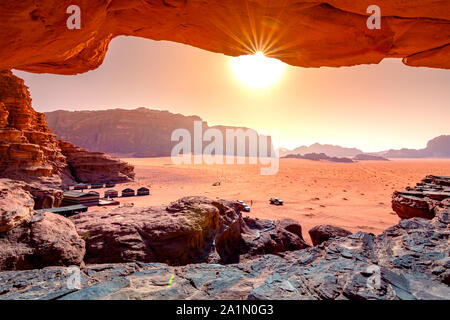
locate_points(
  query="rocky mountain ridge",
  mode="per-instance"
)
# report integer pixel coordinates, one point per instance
(31, 152)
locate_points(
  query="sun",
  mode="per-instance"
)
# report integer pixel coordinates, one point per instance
(257, 71)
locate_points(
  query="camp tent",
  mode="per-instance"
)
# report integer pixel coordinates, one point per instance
(128, 192)
(143, 191)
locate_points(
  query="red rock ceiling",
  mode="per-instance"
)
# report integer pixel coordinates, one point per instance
(311, 33)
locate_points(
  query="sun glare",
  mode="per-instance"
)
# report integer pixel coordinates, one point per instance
(257, 71)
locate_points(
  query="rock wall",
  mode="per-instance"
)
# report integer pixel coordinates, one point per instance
(29, 151)
(309, 33)
(86, 166)
(133, 133)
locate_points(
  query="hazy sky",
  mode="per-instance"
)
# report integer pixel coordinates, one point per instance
(373, 107)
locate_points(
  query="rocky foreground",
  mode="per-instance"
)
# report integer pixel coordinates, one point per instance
(215, 253)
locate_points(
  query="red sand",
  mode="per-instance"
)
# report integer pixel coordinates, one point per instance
(354, 196)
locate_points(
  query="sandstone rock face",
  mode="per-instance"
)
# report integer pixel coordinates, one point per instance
(44, 196)
(322, 233)
(190, 230)
(424, 199)
(309, 33)
(16, 205)
(47, 240)
(88, 166)
(408, 261)
(30, 152)
(133, 133)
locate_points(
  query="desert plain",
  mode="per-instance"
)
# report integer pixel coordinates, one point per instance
(354, 196)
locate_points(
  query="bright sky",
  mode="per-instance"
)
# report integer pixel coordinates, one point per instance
(374, 107)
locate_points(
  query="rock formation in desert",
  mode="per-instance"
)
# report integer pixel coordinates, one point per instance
(30, 151)
(302, 33)
(267, 259)
(328, 149)
(138, 133)
(438, 147)
(426, 200)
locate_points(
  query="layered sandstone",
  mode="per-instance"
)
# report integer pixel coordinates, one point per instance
(136, 133)
(424, 200)
(309, 33)
(88, 166)
(30, 152)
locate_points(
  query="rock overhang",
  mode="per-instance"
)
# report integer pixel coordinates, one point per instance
(309, 33)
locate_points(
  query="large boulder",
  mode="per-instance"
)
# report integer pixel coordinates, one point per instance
(190, 230)
(16, 205)
(407, 206)
(424, 199)
(44, 196)
(261, 236)
(179, 234)
(47, 240)
(322, 233)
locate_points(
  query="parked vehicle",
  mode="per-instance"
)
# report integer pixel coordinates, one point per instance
(276, 201)
(246, 208)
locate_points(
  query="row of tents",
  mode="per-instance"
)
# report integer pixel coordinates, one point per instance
(128, 192)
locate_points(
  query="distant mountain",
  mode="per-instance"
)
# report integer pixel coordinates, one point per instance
(328, 149)
(318, 157)
(140, 132)
(438, 147)
(368, 157)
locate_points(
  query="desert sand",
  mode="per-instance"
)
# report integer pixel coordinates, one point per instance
(354, 196)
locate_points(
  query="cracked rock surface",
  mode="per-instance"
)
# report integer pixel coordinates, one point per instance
(407, 261)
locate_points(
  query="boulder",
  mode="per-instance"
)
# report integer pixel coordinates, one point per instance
(409, 261)
(261, 236)
(422, 200)
(190, 230)
(47, 240)
(179, 234)
(44, 196)
(16, 205)
(322, 233)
